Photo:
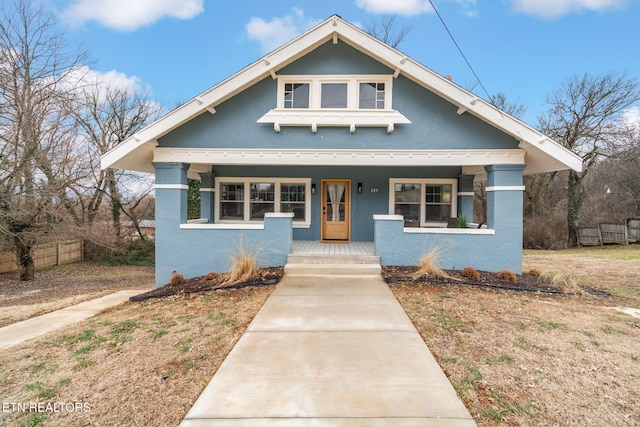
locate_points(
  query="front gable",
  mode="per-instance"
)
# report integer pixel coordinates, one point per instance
(434, 122)
(429, 116)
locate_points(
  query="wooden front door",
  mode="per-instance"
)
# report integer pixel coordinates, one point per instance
(336, 210)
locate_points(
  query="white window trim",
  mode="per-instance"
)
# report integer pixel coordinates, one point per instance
(423, 182)
(353, 90)
(277, 198)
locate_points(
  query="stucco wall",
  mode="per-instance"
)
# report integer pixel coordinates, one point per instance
(435, 122)
(195, 252)
(499, 247)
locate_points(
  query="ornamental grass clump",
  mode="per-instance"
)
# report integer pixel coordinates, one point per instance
(428, 266)
(567, 282)
(244, 263)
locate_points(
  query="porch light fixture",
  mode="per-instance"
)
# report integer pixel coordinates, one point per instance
(359, 188)
(313, 189)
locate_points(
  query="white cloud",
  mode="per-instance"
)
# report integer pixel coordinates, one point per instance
(411, 7)
(84, 76)
(278, 31)
(631, 118)
(399, 7)
(129, 15)
(550, 9)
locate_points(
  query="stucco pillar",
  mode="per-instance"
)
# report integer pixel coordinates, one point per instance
(504, 212)
(465, 196)
(171, 211)
(207, 187)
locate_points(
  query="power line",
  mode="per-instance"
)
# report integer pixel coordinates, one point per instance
(461, 53)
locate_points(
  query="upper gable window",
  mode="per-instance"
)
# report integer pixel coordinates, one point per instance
(371, 96)
(334, 95)
(296, 95)
(365, 92)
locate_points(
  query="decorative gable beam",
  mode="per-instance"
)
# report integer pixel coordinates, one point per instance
(209, 108)
(335, 38)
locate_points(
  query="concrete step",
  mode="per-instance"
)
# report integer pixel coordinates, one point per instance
(332, 269)
(332, 259)
(325, 264)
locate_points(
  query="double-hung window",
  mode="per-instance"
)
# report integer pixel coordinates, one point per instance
(423, 202)
(247, 200)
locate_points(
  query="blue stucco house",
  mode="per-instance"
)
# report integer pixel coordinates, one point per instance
(337, 137)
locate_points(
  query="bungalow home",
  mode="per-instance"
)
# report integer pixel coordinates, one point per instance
(337, 137)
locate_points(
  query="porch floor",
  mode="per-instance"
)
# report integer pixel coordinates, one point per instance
(319, 248)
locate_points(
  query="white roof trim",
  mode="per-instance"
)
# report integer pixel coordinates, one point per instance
(135, 153)
(309, 157)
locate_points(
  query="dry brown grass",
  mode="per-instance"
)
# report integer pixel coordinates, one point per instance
(137, 364)
(519, 358)
(66, 285)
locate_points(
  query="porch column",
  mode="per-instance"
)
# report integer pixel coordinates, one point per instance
(504, 212)
(207, 187)
(465, 197)
(171, 210)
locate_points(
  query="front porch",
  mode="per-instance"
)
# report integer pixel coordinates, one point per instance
(312, 247)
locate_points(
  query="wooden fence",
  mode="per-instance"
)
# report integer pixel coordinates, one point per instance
(623, 233)
(46, 255)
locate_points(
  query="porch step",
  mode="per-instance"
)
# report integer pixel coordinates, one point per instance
(332, 264)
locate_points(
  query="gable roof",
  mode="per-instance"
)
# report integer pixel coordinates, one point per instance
(542, 153)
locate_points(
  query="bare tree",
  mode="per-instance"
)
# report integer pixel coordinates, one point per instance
(37, 152)
(385, 30)
(513, 108)
(586, 118)
(106, 116)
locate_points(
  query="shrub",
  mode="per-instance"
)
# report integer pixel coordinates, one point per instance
(470, 273)
(535, 272)
(211, 276)
(507, 275)
(176, 279)
(545, 232)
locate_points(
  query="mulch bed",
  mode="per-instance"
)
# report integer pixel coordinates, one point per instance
(523, 282)
(391, 274)
(213, 282)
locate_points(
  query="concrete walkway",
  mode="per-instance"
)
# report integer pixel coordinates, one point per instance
(330, 351)
(22, 331)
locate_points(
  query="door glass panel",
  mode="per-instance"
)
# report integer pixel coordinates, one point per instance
(335, 202)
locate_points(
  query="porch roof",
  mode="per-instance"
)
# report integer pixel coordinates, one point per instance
(541, 153)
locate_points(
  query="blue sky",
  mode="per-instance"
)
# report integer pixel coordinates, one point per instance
(524, 48)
